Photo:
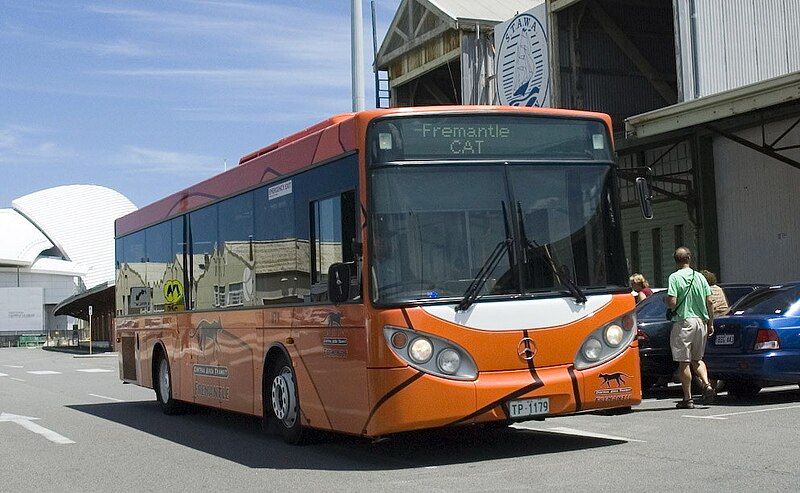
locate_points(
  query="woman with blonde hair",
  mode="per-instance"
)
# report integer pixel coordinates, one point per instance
(641, 286)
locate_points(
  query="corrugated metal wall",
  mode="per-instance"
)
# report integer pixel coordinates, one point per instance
(607, 79)
(726, 44)
(757, 200)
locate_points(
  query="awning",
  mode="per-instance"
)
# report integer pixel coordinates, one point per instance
(712, 108)
(100, 297)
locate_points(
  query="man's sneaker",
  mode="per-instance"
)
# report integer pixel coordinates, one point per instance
(685, 404)
(709, 394)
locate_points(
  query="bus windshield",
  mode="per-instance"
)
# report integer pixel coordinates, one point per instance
(435, 224)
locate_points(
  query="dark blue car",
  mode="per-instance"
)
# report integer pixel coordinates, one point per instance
(758, 343)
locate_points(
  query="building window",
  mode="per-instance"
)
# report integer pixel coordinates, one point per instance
(679, 239)
(635, 258)
(658, 270)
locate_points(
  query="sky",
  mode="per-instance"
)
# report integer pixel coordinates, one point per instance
(149, 97)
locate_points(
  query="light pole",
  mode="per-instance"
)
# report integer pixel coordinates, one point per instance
(90, 329)
(357, 54)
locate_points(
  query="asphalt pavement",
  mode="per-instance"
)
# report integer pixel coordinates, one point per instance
(92, 433)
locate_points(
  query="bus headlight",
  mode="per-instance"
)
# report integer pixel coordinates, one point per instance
(420, 350)
(592, 349)
(613, 335)
(448, 361)
(430, 354)
(607, 342)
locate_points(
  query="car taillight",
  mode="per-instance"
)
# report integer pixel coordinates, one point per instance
(641, 335)
(767, 339)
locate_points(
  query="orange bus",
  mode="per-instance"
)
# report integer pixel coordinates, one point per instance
(389, 270)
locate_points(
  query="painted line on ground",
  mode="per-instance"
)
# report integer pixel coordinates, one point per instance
(13, 366)
(3, 375)
(17, 379)
(561, 430)
(44, 372)
(725, 416)
(107, 398)
(95, 370)
(27, 423)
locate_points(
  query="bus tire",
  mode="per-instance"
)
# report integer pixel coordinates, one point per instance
(281, 403)
(162, 383)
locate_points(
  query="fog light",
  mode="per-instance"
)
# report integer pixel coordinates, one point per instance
(399, 340)
(420, 350)
(613, 335)
(592, 349)
(448, 361)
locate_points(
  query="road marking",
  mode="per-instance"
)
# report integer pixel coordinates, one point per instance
(3, 375)
(44, 372)
(107, 398)
(17, 379)
(13, 366)
(724, 416)
(95, 370)
(27, 423)
(574, 432)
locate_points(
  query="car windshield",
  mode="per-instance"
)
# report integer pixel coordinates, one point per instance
(653, 307)
(734, 294)
(775, 300)
(433, 226)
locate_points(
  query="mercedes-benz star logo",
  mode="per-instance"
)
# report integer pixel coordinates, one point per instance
(526, 349)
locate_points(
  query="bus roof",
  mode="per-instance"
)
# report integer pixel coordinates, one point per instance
(325, 140)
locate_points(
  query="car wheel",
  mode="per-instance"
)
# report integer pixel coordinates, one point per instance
(743, 390)
(163, 386)
(281, 403)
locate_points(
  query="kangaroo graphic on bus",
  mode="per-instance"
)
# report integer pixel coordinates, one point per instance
(618, 377)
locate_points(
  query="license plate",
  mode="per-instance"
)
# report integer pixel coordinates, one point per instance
(724, 339)
(529, 407)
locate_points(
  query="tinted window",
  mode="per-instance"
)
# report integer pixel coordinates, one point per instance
(780, 300)
(279, 255)
(653, 307)
(133, 285)
(735, 294)
(160, 260)
(236, 283)
(204, 259)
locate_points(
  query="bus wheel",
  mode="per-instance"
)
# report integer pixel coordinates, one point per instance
(163, 386)
(281, 403)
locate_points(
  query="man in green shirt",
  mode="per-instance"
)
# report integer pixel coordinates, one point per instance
(689, 298)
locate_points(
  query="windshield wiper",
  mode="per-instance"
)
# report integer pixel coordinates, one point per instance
(559, 270)
(475, 287)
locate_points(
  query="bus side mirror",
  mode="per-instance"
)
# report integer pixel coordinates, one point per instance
(645, 197)
(339, 282)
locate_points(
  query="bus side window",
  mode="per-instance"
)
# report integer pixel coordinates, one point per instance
(333, 230)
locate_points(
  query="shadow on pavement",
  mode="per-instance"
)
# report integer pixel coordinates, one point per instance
(770, 395)
(238, 438)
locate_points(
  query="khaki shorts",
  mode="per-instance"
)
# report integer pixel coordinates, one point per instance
(688, 339)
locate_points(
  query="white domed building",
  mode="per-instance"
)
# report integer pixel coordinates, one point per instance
(55, 244)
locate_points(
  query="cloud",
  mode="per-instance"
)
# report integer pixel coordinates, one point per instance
(135, 159)
(119, 48)
(25, 145)
(246, 77)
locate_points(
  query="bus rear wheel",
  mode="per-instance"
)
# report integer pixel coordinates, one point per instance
(281, 403)
(162, 382)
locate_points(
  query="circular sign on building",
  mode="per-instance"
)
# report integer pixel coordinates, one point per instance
(523, 68)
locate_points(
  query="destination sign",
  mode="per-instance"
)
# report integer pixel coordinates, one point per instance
(488, 137)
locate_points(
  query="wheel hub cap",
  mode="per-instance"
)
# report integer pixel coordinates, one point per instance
(284, 403)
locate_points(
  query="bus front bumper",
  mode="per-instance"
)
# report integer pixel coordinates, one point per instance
(404, 399)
